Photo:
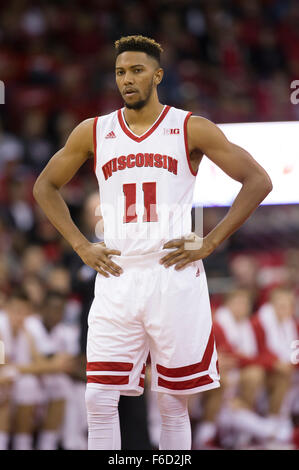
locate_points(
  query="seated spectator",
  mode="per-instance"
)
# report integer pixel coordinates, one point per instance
(53, 337)
(246, 366)
(276, 329)
(20, 391)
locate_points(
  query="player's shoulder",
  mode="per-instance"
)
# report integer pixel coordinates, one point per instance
(198, 121)
(194, 120)
(85, 126)
(107, 116)
(81, 136)
(83, 129)
(173, 110)
(88, 124)
(201, 130)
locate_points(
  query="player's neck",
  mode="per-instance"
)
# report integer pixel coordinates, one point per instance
(145, 116)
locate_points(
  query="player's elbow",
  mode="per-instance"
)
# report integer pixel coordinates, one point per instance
(36, 190)
(267, 183)
(263, 183)
(40, 189)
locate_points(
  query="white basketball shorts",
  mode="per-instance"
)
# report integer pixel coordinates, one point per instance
(150, 308)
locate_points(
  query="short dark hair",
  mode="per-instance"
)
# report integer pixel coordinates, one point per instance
(140, 44)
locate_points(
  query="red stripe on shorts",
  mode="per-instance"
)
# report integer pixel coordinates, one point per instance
(112, 366)
(108, 379)
(185, 384)
(141, 382)
(143, 369)
(193, 368)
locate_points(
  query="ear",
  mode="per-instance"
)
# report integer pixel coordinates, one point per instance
(158, 76)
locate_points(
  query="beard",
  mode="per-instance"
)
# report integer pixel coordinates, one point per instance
(141, 103)
(138, 105)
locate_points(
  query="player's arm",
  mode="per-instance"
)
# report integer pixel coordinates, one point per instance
(58, 172)
(206, 137)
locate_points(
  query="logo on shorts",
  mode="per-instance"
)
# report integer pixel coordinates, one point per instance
(197, 272)
(111, 135)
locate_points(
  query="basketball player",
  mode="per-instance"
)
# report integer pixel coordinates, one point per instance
(150, 291)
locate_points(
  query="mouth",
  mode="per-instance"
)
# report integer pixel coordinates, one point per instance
(130, 92)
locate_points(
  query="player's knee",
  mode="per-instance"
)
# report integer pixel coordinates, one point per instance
(173, 408)
(101, 402)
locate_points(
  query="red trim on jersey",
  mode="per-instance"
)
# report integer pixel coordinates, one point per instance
(150, 130)
(95, 143)
(185, 384)
(193, 368)
(108, 379)
(112, 366)
(186, 144)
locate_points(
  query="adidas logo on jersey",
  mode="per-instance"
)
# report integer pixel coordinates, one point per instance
(111, 135)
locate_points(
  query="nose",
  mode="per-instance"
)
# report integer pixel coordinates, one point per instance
(128, 80)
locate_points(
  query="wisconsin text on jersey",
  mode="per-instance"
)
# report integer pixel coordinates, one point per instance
(140, 159)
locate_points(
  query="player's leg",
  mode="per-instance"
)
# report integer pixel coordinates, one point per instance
(103, 419)
(175, 422)
(117, 349)
(184, 357)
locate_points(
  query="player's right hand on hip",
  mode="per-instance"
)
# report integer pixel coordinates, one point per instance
(97, 256)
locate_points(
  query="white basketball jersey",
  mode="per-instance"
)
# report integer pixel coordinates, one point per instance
(146, 182)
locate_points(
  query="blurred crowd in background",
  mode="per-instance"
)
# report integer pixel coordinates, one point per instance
(229, 61)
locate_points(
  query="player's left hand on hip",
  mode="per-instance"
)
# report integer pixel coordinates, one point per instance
(186, 251)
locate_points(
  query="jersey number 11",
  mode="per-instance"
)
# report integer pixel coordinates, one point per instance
(149, 199)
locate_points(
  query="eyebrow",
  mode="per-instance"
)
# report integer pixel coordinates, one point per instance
(132, 66)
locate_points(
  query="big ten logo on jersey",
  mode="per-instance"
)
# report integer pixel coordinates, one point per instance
(171, 131)
(2, 353)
